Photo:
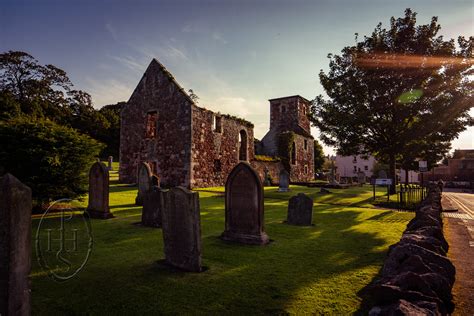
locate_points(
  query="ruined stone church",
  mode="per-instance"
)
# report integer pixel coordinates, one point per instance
(190, 146)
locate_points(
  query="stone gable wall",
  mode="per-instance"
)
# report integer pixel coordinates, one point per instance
(169, 151)
(273, 168)
(214, 154)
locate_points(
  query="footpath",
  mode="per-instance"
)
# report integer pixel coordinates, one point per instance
(459, 232)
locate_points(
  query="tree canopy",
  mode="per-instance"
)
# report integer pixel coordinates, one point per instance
(45, 91)
(400, 94)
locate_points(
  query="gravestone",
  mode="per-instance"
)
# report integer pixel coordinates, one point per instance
(153, 204)
(382, 174)
(99, 192)
(110, 161)
(284, 182)
(144, 181)
(182, 229)
(266, 178)
(300, 210)
(15, 246)
(244, 207)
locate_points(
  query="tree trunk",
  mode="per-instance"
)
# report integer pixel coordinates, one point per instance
(406, 177)
(392, 175)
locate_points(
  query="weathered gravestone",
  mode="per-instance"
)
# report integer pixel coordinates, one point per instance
(300, 210)
(144, 182)
(99, 192)
(244, 207)
(153, 204)
(15, 246)
(110, 161)
(182, 229)
(284, 182)
(361, 177)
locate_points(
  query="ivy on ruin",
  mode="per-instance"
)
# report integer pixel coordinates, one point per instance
(285, 144)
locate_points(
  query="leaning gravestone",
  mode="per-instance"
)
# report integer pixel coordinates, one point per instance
(382, 174)
(99, 192)
(244, 207)
(182, 229)
(15, 246)
(284, 182)
(144, 182)
(153, 204)
(300, 210)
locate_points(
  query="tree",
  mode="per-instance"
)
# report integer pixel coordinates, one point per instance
(193, 96)
(51, 159)
(396, 88)
(318, 156)
(111, 135)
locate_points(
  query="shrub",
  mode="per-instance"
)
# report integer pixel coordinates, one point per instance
(266, 158)
(51, 159)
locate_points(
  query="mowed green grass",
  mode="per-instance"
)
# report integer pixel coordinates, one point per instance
(318, 269)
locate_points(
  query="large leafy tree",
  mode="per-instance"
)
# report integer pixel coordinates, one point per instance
(318, 156)
(396, 91)
(53, 160)
(45, 91)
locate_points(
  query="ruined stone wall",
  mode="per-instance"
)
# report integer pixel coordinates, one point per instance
(273, 168)
(215, 153)
(169, 151)
(304, 157)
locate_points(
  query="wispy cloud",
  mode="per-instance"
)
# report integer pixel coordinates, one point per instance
(130, 63)
(105, 92)
(198, 28)
(111, 31)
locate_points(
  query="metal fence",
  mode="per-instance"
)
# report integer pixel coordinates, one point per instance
(410, 196)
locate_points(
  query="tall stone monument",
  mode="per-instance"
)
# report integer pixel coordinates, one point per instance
(99, 192)
(244, 207)
(284, 182)
(15, 246)
(300, 210)
(144, 181)
(110, 161)
(182, 229)
(153, 204)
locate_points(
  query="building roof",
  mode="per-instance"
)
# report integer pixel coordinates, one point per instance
(289, 97)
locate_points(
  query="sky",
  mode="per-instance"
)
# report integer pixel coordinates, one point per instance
(235, 55)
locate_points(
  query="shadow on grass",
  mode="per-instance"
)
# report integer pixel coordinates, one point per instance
(319, 266)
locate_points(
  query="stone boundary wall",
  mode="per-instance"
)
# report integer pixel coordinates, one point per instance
(273, 167)
(417, 277)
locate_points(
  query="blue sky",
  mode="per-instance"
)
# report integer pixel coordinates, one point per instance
(235, 55)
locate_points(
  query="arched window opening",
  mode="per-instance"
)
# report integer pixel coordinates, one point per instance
(243, 145)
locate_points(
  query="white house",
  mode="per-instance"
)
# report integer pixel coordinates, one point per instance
(349, 166)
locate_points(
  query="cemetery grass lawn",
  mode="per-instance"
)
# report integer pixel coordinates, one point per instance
(317, 269)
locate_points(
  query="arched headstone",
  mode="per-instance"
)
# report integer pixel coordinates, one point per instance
(182, 229)
(300, 210)
(144, 181)
(15, 246)
(99, 192)
(244, 207)
(284, 182)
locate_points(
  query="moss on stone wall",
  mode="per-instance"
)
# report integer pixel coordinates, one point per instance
(285, 142)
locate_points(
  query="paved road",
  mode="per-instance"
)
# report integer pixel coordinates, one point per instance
(464, 201)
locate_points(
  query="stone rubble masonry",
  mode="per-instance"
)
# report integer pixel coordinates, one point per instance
(15, 246)
(417, 277)
(273, 167)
